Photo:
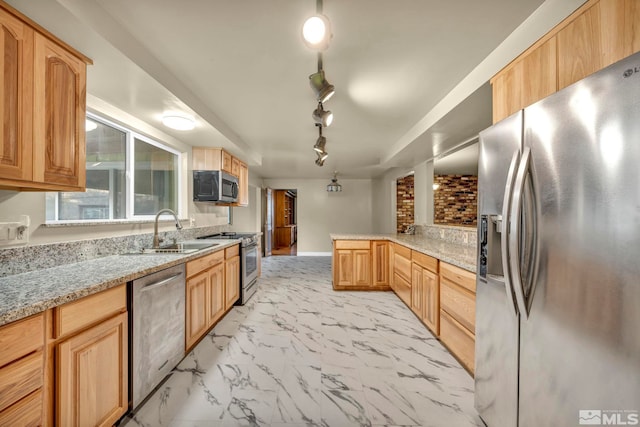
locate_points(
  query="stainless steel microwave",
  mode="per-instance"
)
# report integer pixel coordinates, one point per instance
(214, 186)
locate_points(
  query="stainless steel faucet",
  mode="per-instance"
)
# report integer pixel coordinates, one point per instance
(156, 239)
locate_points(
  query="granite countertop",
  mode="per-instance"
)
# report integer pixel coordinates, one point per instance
(22, 295)
(463, 256)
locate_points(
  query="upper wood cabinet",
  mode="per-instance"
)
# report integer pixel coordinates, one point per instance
(205, 158)
(43, 106)
(596, 35)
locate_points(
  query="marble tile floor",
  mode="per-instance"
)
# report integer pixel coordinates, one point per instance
(301, 354)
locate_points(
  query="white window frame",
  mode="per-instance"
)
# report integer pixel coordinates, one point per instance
(130, 136)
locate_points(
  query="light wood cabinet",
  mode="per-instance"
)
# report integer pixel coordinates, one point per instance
(243, 184)
(232, 276)
(43, 103)
(596, 35)
(457, 312)
(205, 296)
(196, 308)
(380, 261)
(425, 292)
(93, 374)
(22, 372)
(352, 266)
(91, 359)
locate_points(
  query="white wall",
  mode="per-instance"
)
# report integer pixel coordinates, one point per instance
(423, 193)
(321, 213)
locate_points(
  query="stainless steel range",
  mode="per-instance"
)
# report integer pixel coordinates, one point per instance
(248, 261)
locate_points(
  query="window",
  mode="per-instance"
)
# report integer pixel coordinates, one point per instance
(129, 176)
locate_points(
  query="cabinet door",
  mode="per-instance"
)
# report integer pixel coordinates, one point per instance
(417, 300)
(507, 92)
(362, 267)
(59, 116)
(232, 281)
(392, 254)
(92, 375)
(343, 274)
(539, 73)
(216, 293)
(16, 98)
(227, 165)
(431, 298)
(235, 167)
(196, 307)
(380, 258)
(243, 184)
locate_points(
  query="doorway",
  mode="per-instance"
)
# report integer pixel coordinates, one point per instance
(404, 203)
(284, 228)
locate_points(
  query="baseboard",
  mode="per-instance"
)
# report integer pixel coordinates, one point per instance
(314, 253)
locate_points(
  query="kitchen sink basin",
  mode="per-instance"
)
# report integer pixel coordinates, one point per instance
(180, 248)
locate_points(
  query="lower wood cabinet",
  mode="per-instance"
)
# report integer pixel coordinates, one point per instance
(352, 265)
(402, 273)
(92, 375)
(232, 275)
(91, 360)
(425, 295)
(458, 312)
(380, 263)
(196, 308)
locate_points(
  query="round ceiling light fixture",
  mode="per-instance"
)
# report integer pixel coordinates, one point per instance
(322, 117)
(178, 122)
(316, 32)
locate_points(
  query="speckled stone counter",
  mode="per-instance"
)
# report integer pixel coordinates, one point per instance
(25, 294)
(463, 256)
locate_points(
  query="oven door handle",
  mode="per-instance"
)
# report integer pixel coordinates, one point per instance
(164, 282)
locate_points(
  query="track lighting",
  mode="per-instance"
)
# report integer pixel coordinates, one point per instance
(323, 89)
(322, 117)
(321, 158)
(320, 144)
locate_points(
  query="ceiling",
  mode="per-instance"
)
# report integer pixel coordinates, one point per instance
(242, 69)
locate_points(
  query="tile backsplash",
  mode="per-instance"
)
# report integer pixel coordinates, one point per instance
(37, 257)
(451, 234)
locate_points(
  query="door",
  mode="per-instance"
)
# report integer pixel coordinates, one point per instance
(232, 281)
(344, 267)
(431, 301)
(59, 115)
(496, 352)
(362, 267)
(268, 221)
(16, 42)
(215, 297)
(92, 375)
(579, 346)
(196, 308)
(380, 258)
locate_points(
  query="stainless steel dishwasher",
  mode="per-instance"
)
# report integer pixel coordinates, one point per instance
(157, 329)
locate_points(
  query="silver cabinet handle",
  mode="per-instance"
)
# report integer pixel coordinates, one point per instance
(514, 231)
(151, 286)
(504, 235)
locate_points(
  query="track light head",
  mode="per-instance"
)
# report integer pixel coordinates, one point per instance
(323, 89)
(320, 144)
(321, 158)
(321, 116)
(316, 32)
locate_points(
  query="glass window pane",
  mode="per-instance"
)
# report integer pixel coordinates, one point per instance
(156, 179)
(105, 197)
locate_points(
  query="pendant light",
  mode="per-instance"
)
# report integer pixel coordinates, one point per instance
(334, 186)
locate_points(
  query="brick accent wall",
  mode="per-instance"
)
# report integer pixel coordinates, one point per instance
(404, 203)
(456, 200)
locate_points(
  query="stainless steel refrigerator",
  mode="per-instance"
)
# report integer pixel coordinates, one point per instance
(558, 288)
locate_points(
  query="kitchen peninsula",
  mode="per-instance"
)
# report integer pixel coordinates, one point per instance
(432, 273)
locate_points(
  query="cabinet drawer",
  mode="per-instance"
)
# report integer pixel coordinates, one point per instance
(89, 310)
(403, 289)
(402, 267)
(20, 378)
(403, 251)
(352, 244)
(20, 338)
(460, 341)
(232, 251)
(203, 263)
(459, 303)
(425, 261)
(27, 412)
(459, 276)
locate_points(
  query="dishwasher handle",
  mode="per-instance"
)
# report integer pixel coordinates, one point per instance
(164, 282)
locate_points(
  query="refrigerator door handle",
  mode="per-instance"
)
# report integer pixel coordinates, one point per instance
(514, 231)
(504, 235)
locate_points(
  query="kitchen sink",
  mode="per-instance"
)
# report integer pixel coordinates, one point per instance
(180, 248)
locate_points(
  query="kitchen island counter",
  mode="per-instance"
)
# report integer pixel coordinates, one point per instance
(460, 255)
(25, 294)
